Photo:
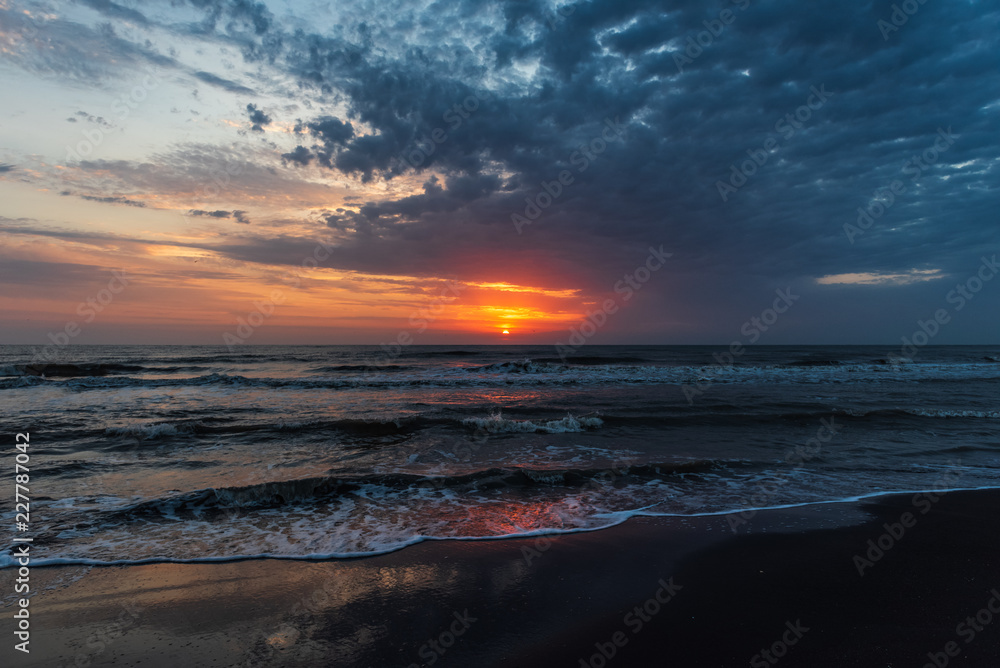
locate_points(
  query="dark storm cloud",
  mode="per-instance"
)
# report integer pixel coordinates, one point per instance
(685, 125)
(332, 131)
(333, 135)
(687, 115)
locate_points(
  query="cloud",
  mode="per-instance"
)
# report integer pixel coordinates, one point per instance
(236, 18)
(115, 11)
(258, 118)
(212, 214)
(300, 156)
(239, 216)
(46, 44)
(99, 120)
(191, 176)
(54, 275)
(224, 84)
(878, 278)
(444, 121)
(106, 199)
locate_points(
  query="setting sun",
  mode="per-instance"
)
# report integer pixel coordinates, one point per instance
(506, 332)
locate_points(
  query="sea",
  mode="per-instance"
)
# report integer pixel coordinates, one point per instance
(187, 454)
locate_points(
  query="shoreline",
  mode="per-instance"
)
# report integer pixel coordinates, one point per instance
(697, 595)
(7, 562)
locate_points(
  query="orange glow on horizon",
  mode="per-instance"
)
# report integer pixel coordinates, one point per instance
(189, 286)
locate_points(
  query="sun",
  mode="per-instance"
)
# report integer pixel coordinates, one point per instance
(506, 332)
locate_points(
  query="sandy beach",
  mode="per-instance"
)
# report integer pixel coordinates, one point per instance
(654, 591)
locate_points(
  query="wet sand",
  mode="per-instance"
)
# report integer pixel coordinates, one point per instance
(650, 592)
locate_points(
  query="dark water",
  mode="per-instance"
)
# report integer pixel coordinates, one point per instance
(183, 452)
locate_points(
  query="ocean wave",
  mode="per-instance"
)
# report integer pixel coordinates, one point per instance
(720, 415)
(526, 366)
(322, 489)
(151, 431)
(442, 353)
(236, 380)
(531, 373)
(497, 424)
(68, 370)
(593, 360)
(361, 368)
(812, 363)
(229, 358)
(923, 412)
(174, 369)
(374, 427)
(382, 426)
(22, 381)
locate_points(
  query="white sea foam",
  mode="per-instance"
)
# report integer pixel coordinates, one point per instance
(302, 540)
(497, 424)
(994, 415)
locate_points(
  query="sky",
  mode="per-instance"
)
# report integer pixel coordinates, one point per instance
(604, 172)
